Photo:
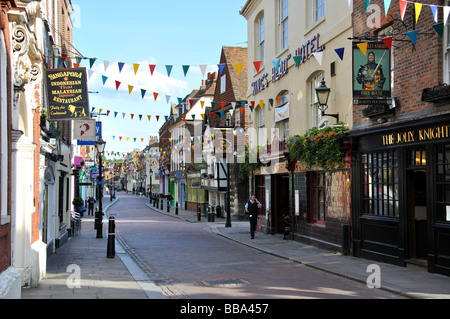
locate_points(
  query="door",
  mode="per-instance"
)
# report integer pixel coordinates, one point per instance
(418, 215)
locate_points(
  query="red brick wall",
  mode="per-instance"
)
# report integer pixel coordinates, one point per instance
(414, 68)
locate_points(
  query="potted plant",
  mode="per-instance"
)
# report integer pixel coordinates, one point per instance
(79, 204)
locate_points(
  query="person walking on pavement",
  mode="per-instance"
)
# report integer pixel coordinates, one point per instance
(91, 202)
(251, 209)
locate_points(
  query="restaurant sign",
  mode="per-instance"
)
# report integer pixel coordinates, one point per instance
(67, 94)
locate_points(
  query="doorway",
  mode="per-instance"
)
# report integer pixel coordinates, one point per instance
(418, 216)
(281, 202)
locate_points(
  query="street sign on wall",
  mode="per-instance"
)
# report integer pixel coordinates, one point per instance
(98, 132)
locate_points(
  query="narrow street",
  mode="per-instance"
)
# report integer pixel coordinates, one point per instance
(187, 260)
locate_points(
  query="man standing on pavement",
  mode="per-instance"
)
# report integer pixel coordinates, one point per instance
(91, 202)
(251, 209)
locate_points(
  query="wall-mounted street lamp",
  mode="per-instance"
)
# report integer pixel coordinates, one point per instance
(323, 94)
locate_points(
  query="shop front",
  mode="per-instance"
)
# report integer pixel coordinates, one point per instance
(401, 194)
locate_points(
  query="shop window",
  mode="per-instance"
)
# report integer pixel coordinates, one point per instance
(380, 184)
(443, 183)
(317, 198)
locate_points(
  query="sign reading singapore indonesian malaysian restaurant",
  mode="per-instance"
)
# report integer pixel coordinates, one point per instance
(67, 94)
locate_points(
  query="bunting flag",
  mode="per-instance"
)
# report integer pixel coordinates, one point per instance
(221, 68)
(143, 92)
(92, 61)
(105, 64)
(412, 35)
(257, 65)
(130, 88)
(117, 85)
(387, 4)
(169, 69)
(298, 60)
(149, 117)
(439, 28)
(402, 5)
(155, 95)
(318, 56)
(340, 53)
(363, 48)
(104, 78)
(152, 68)
(203, 69)
(120, 64)
(239, 66)
(417, 9)
(388, 42)
(135, 67)
(276, 63)
(185, 69)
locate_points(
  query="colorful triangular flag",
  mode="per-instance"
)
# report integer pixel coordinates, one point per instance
(152, 68)
(412, 35)
(169, 69)
(135, 67)
(257, 65)
(340, 53)
(121, 64)
(185, 69)
(221, 68)
(363, 48)
(239, 66)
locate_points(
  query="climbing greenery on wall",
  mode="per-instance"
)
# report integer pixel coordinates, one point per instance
(319, 148)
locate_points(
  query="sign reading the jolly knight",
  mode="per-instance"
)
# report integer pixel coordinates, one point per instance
(67, 94)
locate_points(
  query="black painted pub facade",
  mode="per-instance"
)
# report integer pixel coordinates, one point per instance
(401, 193)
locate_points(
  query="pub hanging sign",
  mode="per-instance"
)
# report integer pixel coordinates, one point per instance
(372, 71)
(67, 94)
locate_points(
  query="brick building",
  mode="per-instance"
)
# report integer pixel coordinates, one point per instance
(401, 136)
(227, 116)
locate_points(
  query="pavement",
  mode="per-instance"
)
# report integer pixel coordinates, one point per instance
(121, 278)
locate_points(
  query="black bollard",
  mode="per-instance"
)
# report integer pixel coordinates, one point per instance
(111, 250)
(199, 214)
(168, 206)
(176, 208)
(162, 203)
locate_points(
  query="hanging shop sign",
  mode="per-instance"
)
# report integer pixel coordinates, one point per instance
(67, 94)
(371, 71)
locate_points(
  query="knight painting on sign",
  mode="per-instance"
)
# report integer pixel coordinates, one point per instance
(371, 72)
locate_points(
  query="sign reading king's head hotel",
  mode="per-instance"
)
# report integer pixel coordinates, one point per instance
(67, 94)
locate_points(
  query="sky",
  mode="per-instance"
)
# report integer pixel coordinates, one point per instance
(169, 32)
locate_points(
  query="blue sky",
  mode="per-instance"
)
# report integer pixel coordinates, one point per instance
(169, 32)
